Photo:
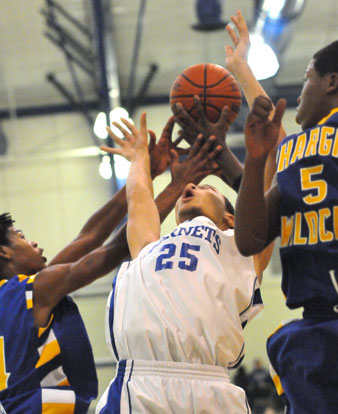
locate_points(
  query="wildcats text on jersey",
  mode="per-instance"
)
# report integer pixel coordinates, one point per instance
(316, 228)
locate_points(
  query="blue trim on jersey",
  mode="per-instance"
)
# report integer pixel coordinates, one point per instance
(113, 405)
(130, 374)
(238, 360)
(111, 320)
(257, 300)
(247, 405)
(255, 297)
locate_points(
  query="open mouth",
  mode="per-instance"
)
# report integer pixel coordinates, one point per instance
(44, 258)
(187, 195)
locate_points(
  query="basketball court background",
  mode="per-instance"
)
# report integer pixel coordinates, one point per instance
(49, 177)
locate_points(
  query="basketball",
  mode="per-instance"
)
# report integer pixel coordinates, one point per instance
(215, 86)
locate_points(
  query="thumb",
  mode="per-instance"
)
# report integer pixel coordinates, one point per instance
(173, 156)
(229, 51)
(152, 140)
(279, 112)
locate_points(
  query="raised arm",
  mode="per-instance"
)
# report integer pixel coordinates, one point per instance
(230, 167)
(257, 221)
(96, 230)
(55, 282)
(198, 164)
(143, 218)
(237, 62)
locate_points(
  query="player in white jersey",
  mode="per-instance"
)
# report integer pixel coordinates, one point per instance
(177, 310)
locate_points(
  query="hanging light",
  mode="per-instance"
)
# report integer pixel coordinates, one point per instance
(271, 33)
(262, 59)
(121, 167)
(115, 116)
(105, 168)
(100, 126)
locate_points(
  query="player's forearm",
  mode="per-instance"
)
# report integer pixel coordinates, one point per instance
(166, 200)
(231, 168)
(55, 282)
(96, 230)
(104, 221)
(250, 86)
(143, 217)
(251, 222)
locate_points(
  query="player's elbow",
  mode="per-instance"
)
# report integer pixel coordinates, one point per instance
(245, 250)
(248, 247)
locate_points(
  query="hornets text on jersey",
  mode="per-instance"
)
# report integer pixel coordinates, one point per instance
(178, 311)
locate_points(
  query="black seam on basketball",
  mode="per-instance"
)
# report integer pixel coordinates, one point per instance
(219, 81)
(190, 81)
(208, 105)
(239, 98)
(203, 86)
(213, 107)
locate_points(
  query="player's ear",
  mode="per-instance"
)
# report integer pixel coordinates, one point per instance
(5, 252)
(333, 82)
(228, 220)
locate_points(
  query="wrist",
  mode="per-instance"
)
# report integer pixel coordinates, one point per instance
(241, 69)
(255, 162)
(177, 185)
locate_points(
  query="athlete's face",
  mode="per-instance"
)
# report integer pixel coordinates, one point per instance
(201, 200)
(312, 102)
(24, 256)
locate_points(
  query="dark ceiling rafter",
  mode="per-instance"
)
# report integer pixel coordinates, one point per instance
(75, 52)
(83, 55)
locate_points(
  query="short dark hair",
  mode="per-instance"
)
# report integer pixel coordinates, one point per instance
(6, 222)
(326, 59)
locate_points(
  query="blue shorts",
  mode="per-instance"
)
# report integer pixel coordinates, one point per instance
(303, 354)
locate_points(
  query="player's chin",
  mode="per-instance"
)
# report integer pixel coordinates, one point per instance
(188, 212)
(298, 119)
(42, 264)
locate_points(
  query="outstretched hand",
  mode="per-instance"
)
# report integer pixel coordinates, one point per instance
(135, 141)
(160, 156)
(238, 53)
(191, 128)
(261, 133)
(199, 163)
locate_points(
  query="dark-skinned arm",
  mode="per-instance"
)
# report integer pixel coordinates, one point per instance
(231, 168)
(257, 213)
(55, 282)
(194, 168)
(96, 230)
(103, 222)
(199, 163)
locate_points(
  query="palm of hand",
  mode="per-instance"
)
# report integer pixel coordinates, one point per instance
(160, 152)
(192, 128)
(160, 157)
(260, 138)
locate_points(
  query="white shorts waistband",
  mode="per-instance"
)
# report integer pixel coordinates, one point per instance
(176, 369)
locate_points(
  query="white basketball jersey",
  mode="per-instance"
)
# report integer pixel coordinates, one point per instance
(185, 298)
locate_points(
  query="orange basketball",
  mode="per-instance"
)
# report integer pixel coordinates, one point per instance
(215, 86)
